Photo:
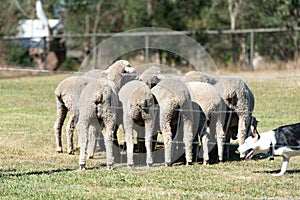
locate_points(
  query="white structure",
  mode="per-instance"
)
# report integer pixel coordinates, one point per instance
(35, 28)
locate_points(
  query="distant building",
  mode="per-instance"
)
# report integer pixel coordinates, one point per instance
(34, 31)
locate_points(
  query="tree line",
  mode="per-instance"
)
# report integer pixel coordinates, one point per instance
(94, 16)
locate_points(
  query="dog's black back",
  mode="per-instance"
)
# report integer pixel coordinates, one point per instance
(288, 136)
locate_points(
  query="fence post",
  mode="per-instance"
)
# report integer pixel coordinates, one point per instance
(251, 48)
(146, 48)
(45, 52)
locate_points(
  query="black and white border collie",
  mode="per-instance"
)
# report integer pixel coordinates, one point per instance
(283, 141)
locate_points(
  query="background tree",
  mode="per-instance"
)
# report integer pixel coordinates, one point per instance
(108, 16)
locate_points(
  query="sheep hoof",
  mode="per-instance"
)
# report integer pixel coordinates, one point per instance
(91, 157)
(167, 164)
(149, 164)
(188, 163)
(59, 150)
(130, 166)
(206, 162)
(71, 153)
(82, 167)
(110, 167)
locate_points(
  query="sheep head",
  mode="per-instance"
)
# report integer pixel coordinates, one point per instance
(120, 73)
(151, 76)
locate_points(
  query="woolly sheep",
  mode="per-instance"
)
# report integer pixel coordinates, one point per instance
(67, 93)
(174, 100)
(150, 76)
(211, 103)
(98, 106)
(138, 110)
(238, 97)
(98, 103)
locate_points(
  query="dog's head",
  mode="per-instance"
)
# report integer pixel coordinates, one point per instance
(252, 143)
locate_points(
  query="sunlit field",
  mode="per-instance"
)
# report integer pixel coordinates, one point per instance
(30, 168)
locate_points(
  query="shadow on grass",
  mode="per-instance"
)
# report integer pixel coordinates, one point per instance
(10, 172)
(233, 154)
(296, 171)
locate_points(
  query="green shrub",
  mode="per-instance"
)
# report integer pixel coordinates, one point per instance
(18, 55)
(70, 64)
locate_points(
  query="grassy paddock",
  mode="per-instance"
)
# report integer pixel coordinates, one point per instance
(31, 169)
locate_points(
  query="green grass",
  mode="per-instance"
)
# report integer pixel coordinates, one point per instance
(31, 169)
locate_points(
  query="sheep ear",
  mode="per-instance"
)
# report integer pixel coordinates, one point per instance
(160, 76)
(129, 69)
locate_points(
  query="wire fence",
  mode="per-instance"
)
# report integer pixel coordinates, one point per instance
(244, 48)
(27, 99)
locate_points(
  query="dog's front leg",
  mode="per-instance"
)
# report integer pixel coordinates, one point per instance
(283, 166)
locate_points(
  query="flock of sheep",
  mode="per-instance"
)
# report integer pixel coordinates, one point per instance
(191, 108)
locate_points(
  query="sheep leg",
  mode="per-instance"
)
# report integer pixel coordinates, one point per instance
(220, 139)
(148, 141)
(83, 129)
(109, 137)
(188, 134)
(116, 146)
(165, 127)
(70, 132)
(242, 133)
(93, 132)
(128, 128)
(205, 142)
(61, 114)
(167, 135)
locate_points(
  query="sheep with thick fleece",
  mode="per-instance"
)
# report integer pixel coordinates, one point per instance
(98, 106)
(238, 97)
(67, 94)
(175, 104)
(138, 110)
(213, 106)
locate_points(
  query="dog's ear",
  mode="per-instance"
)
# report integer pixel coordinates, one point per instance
(254, 133)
